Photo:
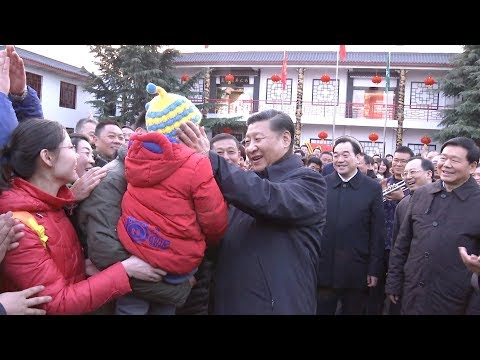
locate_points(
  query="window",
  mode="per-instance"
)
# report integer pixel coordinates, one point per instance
(276, 94)
(371, 148)
(197, 92)
(424, 97)
(418, 148)
(35, 82)
(325, 93)
(68, 95)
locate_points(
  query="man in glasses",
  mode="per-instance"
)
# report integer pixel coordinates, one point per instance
(418, 172)
(401, 156)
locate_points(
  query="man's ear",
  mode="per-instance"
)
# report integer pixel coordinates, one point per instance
(358, 156)
(47, 157)
(287, 138)
(473, 166)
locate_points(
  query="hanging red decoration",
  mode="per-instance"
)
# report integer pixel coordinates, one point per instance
(229, 78)
(373, 137)
(185, 77)
(227, 130)
(426, 140)
(429, 81)
(276, 78)
(377, 79)
(325, 78)
(322, 135)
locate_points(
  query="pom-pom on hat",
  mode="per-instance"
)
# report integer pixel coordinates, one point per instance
(166, 111)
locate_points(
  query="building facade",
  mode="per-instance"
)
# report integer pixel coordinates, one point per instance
(59, 86)
(354, 102)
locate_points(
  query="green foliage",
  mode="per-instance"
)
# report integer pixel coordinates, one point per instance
(462, 83)
(125, 71)
(219, 123)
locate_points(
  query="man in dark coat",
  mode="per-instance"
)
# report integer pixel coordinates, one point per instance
(352, 248)
(269, 257)
(425, 268)
(418, 172)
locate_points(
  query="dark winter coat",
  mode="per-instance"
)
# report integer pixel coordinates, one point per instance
(425, 267)
(353, 244)
(268, 259)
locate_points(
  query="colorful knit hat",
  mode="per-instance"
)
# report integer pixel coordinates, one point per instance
(166, 111)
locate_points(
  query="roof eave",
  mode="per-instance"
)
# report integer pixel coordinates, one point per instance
(55, 69)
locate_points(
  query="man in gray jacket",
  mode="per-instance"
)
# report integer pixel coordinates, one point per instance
(425, 268)
(96, 220)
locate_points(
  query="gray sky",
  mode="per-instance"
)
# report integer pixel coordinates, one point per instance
(79, 55)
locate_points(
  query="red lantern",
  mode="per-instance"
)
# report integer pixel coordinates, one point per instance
(325, 78)
(373, 137)
(322, 135)
(429, 81)
(275, 78)
(426, 140)
(377, 79)
(229, 78)
(185, 77)
(227, 130)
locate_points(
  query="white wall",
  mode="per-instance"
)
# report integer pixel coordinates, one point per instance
(51, 98)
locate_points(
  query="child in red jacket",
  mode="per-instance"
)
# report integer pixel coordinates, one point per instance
(172, 207)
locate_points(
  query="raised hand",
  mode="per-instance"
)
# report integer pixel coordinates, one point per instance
(85, 185)
(4, 72)
(194, 137)
(18, 77)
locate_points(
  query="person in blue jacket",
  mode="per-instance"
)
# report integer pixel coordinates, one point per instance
(268, 259)
(17, 100)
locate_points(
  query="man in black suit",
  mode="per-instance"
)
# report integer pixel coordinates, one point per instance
(352, 247)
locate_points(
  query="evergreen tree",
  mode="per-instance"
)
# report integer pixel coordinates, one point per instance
(463, 83)
(125, 72)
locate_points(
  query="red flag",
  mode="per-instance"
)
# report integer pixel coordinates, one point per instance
(343, 52)
(284, 70)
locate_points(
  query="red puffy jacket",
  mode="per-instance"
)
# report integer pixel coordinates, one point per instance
(60, 266)
(172, 204)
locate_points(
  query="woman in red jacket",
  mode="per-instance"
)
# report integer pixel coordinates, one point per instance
(39, 161)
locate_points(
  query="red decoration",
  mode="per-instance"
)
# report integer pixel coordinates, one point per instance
(185, 77)
(377, 79)
(227, 130)
(322, 135)
(325, 78)
(229, 78)
(373, 137)
(284, 70)
(275, 78)
(426, 140)
(429, 81)
(342, 52)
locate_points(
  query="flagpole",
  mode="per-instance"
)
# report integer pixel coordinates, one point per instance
(335, 107)
(387, 85)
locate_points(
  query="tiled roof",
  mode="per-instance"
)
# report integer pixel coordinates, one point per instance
(34, 59)
(315, 58)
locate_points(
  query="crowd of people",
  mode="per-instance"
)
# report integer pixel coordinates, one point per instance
(157, 218)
